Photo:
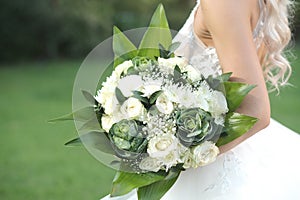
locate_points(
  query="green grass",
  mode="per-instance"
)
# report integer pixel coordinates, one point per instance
(286, 106)
(34, 163)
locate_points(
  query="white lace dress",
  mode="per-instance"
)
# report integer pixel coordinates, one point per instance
(265, 166)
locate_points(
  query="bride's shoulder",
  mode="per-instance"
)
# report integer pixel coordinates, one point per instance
(228, 12)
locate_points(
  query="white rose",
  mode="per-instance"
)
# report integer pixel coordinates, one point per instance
(193, 74)
(189, 161)
(170, 63)
(108, 120)
(132, 108)
(218, 103)
(205, 153)
(123, 67)
(129, 84)
(170, 160)
(161, 145)
(164, 105)
(150, 164)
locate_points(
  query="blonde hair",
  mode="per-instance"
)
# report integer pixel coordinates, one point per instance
(277, 36)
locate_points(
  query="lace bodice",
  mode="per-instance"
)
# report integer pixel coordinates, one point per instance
(205, 58)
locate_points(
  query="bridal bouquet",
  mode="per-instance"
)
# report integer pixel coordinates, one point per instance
(156, 115)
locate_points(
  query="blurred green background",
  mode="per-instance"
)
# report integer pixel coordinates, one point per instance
(42, 44)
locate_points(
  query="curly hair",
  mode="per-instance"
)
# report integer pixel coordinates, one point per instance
(277, 36)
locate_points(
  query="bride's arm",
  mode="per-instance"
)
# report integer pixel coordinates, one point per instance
(229, 22)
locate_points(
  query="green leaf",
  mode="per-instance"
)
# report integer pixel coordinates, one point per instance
(225, 77)
(125, 182)
(214, 83)
(236, 125)
(74, 142)
(83, 114)
(122, 47)
(177, 72)
(62, 118)
(94, 139)
(157, 33)
(173, 47)
(154, 96)
(138, 95)
(89, 97)
(92, 125)
(121, 98)
(156, 190)
(132, 71)
(235, 93)
(136, 92)
(163, 53)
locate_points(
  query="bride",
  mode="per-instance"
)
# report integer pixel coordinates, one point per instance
(246, 37)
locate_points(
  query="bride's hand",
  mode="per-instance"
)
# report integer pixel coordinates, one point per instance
(229, 23)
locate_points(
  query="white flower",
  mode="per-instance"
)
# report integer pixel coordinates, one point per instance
(132, 108)
(161, 145)
(107, 90)
(170, 63)
(123, 67)
(204, 154)
(203, 96)
(219, 120)
(164, 105)
(111, 104)
(188, 161)
(218, 103)
(187, 98)
(108, 120)
(150, 164)
(172, 92)
(193, 73)
(148, 90)
(129, 84)
(201, 101)
(171, 159)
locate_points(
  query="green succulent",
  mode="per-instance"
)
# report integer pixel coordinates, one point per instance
(126, 136)
(195, 126)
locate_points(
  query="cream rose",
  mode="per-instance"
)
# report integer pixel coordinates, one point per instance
(150, 164)
(161, 145)
(123, 67)
(193, 74)
(132, 108)
(108, 120)
(204, 154)
(164, 105)
(170, 63)
(189, 161)
(170, 160)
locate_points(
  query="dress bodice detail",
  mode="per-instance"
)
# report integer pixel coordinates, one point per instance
(203, 57)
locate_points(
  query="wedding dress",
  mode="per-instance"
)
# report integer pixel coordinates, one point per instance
(265, 166)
